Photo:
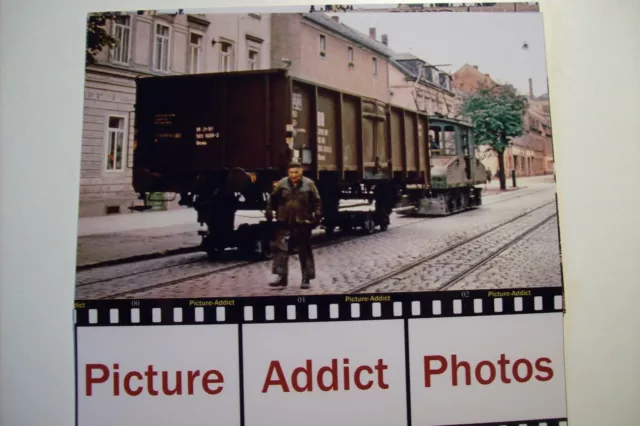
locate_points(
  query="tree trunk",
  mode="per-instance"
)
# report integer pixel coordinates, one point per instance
(501, 171)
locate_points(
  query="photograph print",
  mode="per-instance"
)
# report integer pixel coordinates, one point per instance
(316, 150)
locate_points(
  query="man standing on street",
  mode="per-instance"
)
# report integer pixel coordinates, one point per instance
(298, 207)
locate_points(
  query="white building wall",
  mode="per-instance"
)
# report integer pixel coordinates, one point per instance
(110, 87)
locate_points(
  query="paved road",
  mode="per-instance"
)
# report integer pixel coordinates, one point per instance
(109, 238)
(344, 266)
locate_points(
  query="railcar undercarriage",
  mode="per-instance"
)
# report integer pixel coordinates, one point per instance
(217, 205)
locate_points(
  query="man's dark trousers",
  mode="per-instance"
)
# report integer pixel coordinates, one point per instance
(301, 235)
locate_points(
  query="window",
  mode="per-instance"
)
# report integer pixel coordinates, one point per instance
(375, 67)
(350, 56)
(443, 80)
(323, 46)
(253, 60)
(115, 143)
(429, 74)
(226, 55)
(161, 51)
(195, 52)
(122, 33)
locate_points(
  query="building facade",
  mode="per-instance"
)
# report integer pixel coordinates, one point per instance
(320, 49)
(530, 154)
(415, 84)
(152, 45)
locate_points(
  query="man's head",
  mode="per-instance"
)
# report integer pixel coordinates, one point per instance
(295, 172)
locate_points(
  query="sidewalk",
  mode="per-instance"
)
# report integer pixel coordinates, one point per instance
(493, 187)
(112, 238)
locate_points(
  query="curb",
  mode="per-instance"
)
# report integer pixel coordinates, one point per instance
(138, 258)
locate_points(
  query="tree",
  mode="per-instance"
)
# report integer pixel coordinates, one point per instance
(98, 36)
(497, 114)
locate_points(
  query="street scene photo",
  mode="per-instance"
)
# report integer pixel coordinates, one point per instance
(316, 151)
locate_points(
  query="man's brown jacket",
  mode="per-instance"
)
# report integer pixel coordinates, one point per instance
(295, 204)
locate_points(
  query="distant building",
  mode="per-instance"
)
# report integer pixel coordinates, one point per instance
(320, 49)
(530, 154)
(152, 45)
(459, 7)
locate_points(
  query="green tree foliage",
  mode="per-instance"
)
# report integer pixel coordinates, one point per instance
(98, 34)
(497, 114)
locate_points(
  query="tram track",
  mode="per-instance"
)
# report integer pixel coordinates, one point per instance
(338, 240)
(220, 268)
(439, 254)
(487, 259)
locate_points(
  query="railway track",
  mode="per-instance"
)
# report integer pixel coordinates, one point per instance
(209, 272)
(238, 265)
(195, 249)
(459, 276)
(219, 268)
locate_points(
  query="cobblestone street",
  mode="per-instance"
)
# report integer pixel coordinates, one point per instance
(350, 263)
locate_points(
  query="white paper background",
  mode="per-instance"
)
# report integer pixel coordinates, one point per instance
(171, 348)
(485, 338)
(38, 251)
(292, 344)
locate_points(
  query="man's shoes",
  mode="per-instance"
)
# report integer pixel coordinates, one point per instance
(305, 284)
(280, 282)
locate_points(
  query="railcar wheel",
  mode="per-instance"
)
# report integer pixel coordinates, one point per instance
(213, 253)
(264, 249)
(368, 225)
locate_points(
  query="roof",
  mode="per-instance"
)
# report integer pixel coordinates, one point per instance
(380, 48)
(348, 32)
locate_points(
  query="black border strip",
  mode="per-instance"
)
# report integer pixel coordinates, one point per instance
(75, 368)
(407, 362)
(241, 375)
(370, 307)
(539, 422)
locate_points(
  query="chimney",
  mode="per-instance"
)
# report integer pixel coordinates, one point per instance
(475, 66)
(336, 18)
(385, 39)
(372, 33)
(530, 89)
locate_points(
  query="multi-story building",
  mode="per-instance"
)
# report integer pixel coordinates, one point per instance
(530, 154)
(320, 49)
(152, 45)
(465, 7)
(415, 84)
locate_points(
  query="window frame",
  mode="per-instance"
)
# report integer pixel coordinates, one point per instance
(191, 46)
(322, 46)
(129, 27)
(107, 140)
(230, 55)
(154, 58)
(256, 61)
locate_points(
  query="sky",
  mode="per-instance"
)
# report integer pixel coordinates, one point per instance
(492, 41)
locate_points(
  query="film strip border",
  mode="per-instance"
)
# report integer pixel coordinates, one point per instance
(286, 309)
(509, 7)
(545, 422)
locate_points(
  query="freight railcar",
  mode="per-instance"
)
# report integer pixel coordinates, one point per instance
(222, 140)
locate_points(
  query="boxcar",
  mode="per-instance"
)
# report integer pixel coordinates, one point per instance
(222, 140)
